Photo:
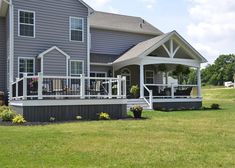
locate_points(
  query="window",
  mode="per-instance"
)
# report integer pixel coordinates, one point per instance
(26, 65)
(76, 68)
(26, 23)
(76, 29)
(149, 77)
(126, 72)
(98, 74)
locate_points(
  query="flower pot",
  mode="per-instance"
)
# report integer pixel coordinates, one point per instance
(137, 114)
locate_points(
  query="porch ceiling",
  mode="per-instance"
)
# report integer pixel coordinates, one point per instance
(141, 53)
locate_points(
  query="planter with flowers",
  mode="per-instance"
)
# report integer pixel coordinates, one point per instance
(137, 111)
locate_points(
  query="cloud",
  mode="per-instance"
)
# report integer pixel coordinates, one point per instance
(212, 27)
(149, 3)
(102, 5)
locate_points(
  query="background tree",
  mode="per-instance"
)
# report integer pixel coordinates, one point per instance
(221, 71)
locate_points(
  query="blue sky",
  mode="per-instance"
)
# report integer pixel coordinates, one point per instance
(209, 25)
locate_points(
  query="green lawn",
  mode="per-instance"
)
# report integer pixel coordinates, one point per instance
(191, 139)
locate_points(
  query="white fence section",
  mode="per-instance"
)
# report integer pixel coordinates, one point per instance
(59, 87)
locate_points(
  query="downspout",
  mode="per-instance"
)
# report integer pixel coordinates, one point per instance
(88, 43)
(11, 45)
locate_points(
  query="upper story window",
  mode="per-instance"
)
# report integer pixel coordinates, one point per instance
(76, 67)
(76, 29)
(26, 23)
(26, 65)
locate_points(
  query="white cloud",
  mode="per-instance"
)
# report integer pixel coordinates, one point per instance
(149, 3)
(212, 27)
(102, 5)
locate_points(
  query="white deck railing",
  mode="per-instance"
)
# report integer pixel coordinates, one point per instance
(67, 87)
(150, 97)
(173, 91)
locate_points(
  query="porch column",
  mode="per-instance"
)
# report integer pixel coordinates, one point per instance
(141, 81)
(199, 83)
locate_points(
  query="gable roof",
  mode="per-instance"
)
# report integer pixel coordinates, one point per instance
(51, 49)
(110, 21)
(149, 46)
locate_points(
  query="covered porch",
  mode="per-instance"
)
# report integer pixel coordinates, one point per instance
(153, 65)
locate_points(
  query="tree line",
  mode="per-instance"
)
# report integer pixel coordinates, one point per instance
(222, 70)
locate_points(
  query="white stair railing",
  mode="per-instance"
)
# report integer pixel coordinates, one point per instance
(150, 100)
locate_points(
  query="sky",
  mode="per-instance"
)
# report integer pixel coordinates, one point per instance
(208, 25)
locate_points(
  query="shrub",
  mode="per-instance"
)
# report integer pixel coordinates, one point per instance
(215, 106)
(7, 115)
(137, 111)
(18, 119)
(3, 108)
(135, 91)
(104, 116)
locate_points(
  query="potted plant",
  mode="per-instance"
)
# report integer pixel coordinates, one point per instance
(135, 91)
(137, 111)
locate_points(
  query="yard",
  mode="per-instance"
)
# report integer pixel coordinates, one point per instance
(177, 139)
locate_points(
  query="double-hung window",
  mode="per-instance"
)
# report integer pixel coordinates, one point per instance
(26, 23)
(76, 67)
(26, 66)
(149, 77)
(76, 29)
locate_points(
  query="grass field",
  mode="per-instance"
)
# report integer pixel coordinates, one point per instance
(190, 139)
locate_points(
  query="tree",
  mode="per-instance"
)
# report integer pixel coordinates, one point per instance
(221, 71)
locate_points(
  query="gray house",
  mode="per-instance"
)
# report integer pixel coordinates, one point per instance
(64, 54)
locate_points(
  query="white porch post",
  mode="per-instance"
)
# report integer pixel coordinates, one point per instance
(199, 81)
(141, 81)
(40, 83)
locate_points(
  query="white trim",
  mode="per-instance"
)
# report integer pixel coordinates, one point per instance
(83, 68)
(83, 26)
(145, 76)
(177, 100)
(34, 23)
(63, 102)
(91, 10)
(88, 46)
(51, 49)
(157, 60)
(26, 58)
(100, 64)
(11, 48)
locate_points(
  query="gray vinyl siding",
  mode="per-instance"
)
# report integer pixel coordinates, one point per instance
(54, 64)
(114, 42)
(103, 58)
(52, 29)
(3, 55)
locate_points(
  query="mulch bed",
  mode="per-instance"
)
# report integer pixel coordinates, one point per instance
(63, 122)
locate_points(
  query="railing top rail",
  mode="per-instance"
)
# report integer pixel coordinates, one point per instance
(70, 77)
(175, 85)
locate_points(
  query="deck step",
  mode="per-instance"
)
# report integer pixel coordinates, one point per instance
(140, 102)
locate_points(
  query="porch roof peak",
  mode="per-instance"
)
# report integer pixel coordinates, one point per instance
(146, 47)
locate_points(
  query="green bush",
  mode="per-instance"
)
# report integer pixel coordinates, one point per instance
(215, 106)
(135, 91)
(104, 116)
(18, 119)
(7, 115)
(3, 108)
